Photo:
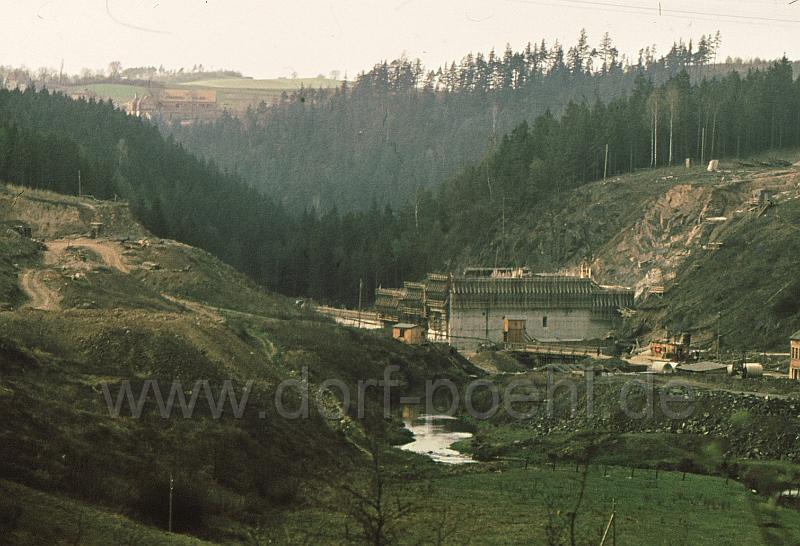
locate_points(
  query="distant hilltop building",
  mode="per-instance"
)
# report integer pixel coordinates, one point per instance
(182, 105)
(482, 304)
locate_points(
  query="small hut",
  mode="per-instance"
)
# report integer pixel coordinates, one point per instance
(97, 228)
(412, 334)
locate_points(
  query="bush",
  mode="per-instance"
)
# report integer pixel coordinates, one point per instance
(10, 513)
(765, 479)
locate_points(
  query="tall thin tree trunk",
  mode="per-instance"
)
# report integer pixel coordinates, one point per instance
(655, 139)
(703, 146)
(671, 116)
(652, 143)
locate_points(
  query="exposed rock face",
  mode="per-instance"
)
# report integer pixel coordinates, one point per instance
(678, 233)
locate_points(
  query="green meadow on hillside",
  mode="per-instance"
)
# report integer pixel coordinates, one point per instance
(496, 504)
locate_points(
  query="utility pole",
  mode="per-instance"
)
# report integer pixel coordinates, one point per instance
(171, 487)
(79, 183)
(360, 288)
(605, 164)
(719, 337)
(504, 218)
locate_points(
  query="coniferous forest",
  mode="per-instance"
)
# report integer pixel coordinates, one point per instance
(401, 128)
(654, 113)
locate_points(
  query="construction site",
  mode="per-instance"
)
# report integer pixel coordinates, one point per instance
(82, 279)
(666, 250)
(506, 306)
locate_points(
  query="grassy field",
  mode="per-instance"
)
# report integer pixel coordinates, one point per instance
(232, 93)
(276, 84)
(117, 92)
(501, 505)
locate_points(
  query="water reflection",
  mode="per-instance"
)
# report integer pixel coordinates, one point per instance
(433, 436)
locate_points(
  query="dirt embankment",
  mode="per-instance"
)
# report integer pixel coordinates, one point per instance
(708, 241)
(37, 283)
(686, 219)
(53, 216)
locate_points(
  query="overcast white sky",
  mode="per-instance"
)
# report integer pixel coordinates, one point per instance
(265, 38)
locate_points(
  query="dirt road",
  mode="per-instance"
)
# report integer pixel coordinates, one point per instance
(41, 297)
(33, 281)
(109, 252)
(195, 307)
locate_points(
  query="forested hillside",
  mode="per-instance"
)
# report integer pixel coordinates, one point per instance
(485, 214)
(656, 125)
(51, 142)
(401, 127)
(46, 139)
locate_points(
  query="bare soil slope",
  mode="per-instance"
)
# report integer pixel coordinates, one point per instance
(664, 233)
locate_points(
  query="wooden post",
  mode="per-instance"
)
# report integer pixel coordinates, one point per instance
(171, 487)
(611, 526)
(360, 288)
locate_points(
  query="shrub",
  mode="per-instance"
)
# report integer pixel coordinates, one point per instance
(10, 513)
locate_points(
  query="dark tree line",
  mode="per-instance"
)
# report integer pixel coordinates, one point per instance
(45, 139)
(400, 127)
(654, 126)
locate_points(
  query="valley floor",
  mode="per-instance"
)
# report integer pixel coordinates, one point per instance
(502, 504)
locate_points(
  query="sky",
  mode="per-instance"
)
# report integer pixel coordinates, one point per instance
(264, 38)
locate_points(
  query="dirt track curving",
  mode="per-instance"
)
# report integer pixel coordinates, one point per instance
(111, 253)
(41, 297)
(32, 281)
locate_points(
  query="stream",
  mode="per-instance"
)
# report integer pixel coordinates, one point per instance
(432, 438)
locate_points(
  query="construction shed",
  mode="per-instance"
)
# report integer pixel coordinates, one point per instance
(97, 229)
(676, 348)
(412, 334)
